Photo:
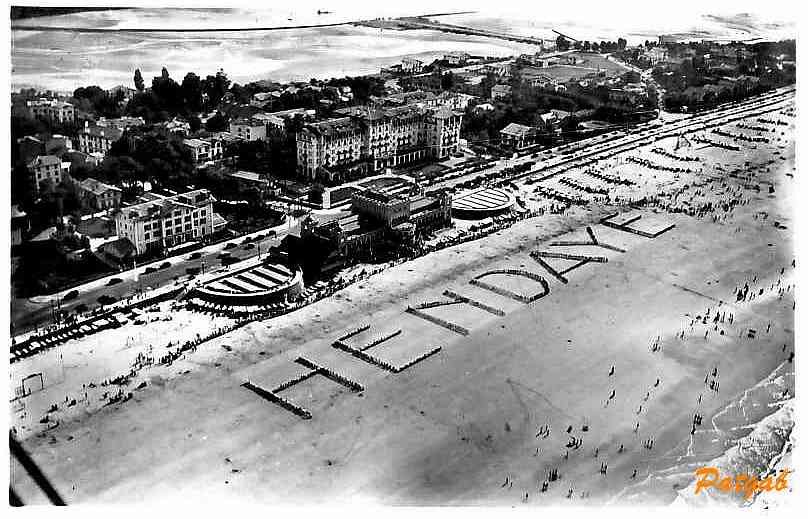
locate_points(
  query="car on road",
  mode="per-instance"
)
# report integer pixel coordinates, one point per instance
(195, 256)
(114, 281)
(230, 245)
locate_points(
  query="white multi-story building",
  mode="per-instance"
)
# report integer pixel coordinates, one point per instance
(412, 65)
(379, 137)
(204, 150)
(121, 123)
(52, 110)
(97, 139)
(98, 196)
(164, 222)
(47, 168)
(248, 130)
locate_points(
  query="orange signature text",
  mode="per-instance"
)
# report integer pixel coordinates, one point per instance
(710, 477)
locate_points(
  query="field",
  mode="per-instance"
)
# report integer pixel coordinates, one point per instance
(452, 428)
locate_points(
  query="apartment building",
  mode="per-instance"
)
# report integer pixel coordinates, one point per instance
(248, 130)
(47, 168)
(52, 110)
(98, 196)
(121, 123)
(377, 137)
(97, 139)
(163, 222)
(204, 150)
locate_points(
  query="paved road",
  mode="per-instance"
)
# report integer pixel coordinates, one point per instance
(28, 314)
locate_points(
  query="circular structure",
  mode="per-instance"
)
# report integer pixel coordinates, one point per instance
(258, 285)
(482, 203)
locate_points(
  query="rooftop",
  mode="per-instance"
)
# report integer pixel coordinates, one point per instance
(99, 131)
(517, 130)
(96, 186)
(166, 204)
(45, 160)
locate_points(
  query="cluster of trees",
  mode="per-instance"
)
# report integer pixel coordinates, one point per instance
(276, 155)
(563, 44)
(96, 100)
(167, 98)
(524, 106)
(696, 83)
(141, 156)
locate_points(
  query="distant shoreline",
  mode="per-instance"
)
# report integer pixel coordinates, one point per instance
(147, 30)
(208, 29)
(23, 12)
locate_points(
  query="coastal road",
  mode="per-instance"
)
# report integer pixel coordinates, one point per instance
(33, 313)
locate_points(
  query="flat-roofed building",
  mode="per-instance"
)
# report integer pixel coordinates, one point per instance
(163, 222)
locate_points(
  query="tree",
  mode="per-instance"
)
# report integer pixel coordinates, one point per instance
(217, 123)
(562, 43)
(215, 87)
(447, 81)
(139, 81)
(167, 93)
(621, 43)
(96, 100)
(192, 92)
(194, 123)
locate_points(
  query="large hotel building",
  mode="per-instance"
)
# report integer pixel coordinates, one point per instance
(377, 138)
(164, 222)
